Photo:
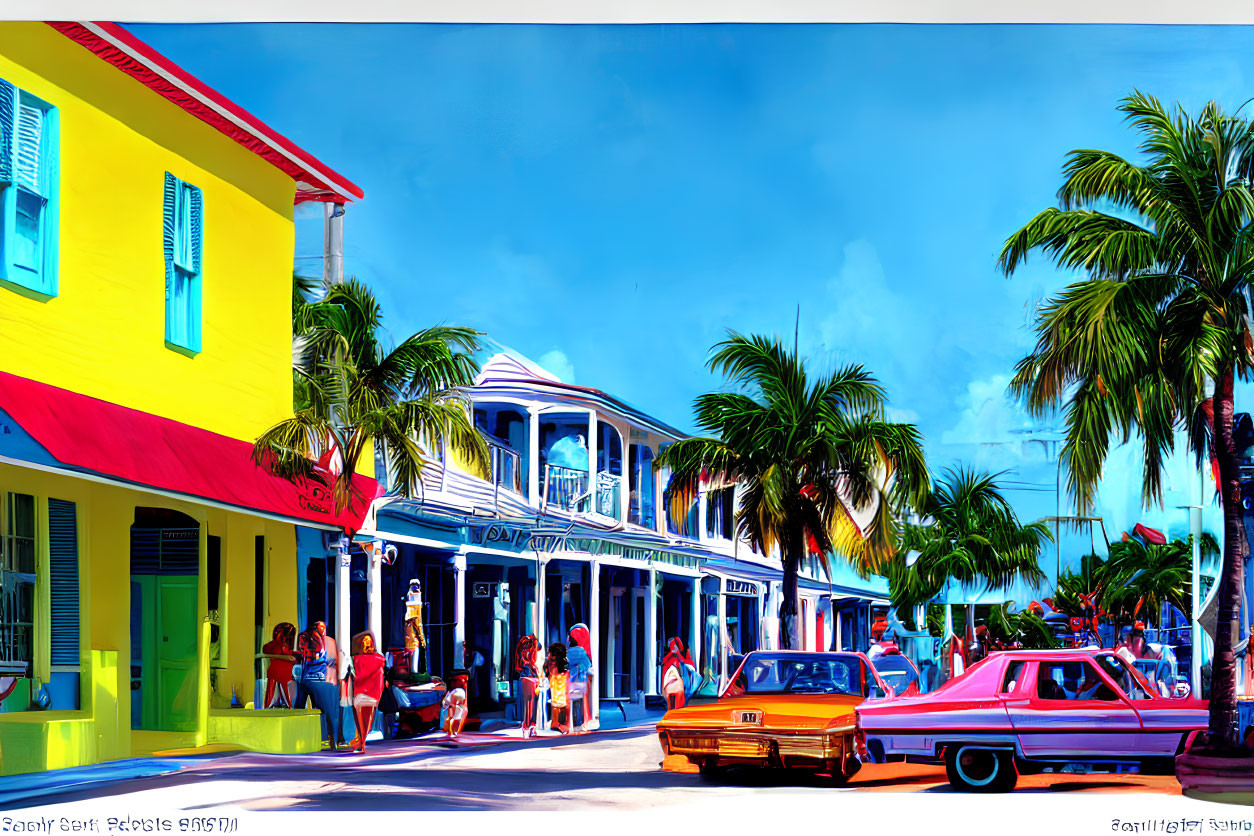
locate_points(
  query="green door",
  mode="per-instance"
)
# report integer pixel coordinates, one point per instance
(169, 671)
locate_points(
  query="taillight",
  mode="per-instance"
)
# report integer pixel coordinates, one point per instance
(859, 736)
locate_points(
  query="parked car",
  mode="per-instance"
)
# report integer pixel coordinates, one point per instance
(1024, 711)
(781, 709)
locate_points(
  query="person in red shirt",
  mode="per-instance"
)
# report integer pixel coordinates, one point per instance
(281, 651)
(368, 666)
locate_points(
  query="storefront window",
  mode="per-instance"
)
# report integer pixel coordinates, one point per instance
(17, 585)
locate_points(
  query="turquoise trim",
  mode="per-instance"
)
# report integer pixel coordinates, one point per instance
(43, 285)
(182, 285)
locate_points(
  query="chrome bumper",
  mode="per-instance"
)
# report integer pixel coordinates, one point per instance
(766, 747)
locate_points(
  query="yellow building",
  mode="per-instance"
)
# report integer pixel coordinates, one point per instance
(146, 250)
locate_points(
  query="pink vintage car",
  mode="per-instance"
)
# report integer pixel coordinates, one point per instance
(1023, 711)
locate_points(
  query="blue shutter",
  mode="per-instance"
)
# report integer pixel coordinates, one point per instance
(195, 223)
(169, 229)
(195, 228)
(63, 565)
(30, 129)
(8, 112)
(181, 234)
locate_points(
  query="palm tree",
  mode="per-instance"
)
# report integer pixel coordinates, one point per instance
(351, 391)
(1023, 629)
(1168, 249)
(970, 534)
(1080, 593)
(1145, 576)
(804, 451)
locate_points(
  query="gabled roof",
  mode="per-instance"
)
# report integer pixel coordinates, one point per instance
(114, 45)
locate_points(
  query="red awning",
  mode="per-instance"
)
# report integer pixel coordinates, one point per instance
(89, 434)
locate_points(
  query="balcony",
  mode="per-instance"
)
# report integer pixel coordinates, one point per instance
(565, 488)
(506, 467)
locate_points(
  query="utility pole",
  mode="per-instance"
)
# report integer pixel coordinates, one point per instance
(333, 245)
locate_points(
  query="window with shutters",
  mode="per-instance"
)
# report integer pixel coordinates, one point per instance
(182, 229)
(63, 584)
(17, 584)
(28, 193)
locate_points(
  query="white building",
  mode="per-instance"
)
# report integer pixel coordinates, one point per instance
(574, 518)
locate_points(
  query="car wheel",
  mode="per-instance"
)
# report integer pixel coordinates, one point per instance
(975, 769)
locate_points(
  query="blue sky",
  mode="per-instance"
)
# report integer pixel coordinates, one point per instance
(608, 200)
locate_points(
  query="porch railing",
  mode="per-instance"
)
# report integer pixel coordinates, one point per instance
(609, 495)
(565, 488)
(506, 468)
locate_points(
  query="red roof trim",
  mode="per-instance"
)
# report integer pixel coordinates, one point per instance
(113, 44)
(97, 436)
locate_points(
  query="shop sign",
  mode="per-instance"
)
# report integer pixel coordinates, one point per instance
(498, 535)
(741, 588)
(484, 590)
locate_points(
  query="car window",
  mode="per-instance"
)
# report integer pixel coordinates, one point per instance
(800, 674)
(1013, 671)
(896, 671)
(1070, 681)
(1119, 671)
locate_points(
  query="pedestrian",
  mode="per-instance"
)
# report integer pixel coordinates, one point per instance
(579, 655)
(333, 677)
(313, 684)
(368, 666)
(678, 674)
(281, 652)
(557, 670)
(527, 662)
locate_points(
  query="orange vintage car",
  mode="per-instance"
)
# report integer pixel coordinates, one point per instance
(781, 709)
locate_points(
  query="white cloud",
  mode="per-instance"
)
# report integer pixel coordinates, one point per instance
(901, 416)
(989, 416)
(555, 361)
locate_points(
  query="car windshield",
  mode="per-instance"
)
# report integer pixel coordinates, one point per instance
(897, 671)
(801, 673)
(1148, 669)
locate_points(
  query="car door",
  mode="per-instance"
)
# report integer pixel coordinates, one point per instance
(1164, 721)
(1068, 709)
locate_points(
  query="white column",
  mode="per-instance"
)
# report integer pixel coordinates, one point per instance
(650, 632)
(539, 621)
(594, 504)
(342, 638)
(533, 458)
(624, 479)
(660, 478)
(702, 516)
(459, 607)
(374, 598)
(594, 636)
(332, 244)
(721, 667)
(694, 644)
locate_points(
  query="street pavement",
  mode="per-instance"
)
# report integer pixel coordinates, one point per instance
(608, 769)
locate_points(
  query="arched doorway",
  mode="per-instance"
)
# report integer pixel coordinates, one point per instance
(165, 575)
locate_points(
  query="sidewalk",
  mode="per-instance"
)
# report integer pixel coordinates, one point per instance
(17, 789)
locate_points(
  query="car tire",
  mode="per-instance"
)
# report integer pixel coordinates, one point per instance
(976, 769)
